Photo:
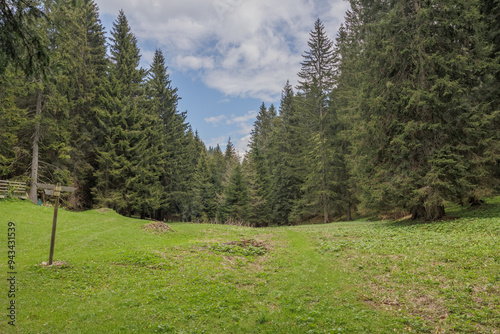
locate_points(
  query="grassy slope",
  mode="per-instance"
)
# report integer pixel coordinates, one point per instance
(357, 277)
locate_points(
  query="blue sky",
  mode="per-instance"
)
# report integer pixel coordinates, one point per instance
(226, 57)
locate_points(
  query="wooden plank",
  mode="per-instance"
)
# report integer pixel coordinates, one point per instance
(7, 182)
(68, 189)
(12, 185)
(51, 187)
(14, 188)
(45, 186)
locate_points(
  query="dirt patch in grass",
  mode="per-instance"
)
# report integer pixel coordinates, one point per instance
(158, 227)
(243, 247)
(104, 210)
(245, 243)
(385, 293)
(59, 264)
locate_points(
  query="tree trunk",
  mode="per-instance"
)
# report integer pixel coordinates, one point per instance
(430, 213)
(34, 158)
(323, 167)
(418, 212)
(474, 201)
(435, 212)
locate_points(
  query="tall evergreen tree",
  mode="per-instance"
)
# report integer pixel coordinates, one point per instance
(490, 10)
(350, 71)
(287, 138)
(174, 143)
(12, 120)
(260, 156)
(235, 206)
(121, 157)
(424, 124)
(205, 197)
(125, 57)
(217, 171)
(230, 161)
(316, 80)
(88, 77)
(195, 151)
(82, 63)
(21, 41)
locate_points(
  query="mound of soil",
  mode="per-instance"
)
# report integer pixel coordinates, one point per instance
(159, 227)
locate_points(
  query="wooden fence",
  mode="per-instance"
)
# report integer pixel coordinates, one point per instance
(13, 189)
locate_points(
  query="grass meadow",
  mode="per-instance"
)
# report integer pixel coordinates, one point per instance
(349, 277)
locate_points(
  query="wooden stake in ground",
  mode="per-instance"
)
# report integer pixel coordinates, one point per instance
(50, 189)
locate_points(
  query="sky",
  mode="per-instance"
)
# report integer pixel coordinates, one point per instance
(226, 57)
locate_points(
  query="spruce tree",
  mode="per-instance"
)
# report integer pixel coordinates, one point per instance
(125, 57)
(122, 121)
(316, 80)
(235, 206)
(173, 143)
(490, 10)
(287, 178)
(81, 58)
(423, 122)
(12, 120)
(230, 155)
(259, 161)
(230, 161)
(22, 43)
(205, 198)
(88, 78)
(217, 170)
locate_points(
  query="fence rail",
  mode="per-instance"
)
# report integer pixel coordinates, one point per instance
(13, 189)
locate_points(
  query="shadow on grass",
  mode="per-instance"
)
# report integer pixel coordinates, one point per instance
(489, 209)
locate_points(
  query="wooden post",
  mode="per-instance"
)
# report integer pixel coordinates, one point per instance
(57, 192)
(54, 191)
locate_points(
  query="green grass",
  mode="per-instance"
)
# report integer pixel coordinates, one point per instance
(354, 277)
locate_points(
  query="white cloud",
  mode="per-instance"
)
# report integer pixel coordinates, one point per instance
(246, 48)
(215, 120)
(242, 121)
(195, 63)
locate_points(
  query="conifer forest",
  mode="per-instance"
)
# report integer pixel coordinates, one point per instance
(395, 115)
